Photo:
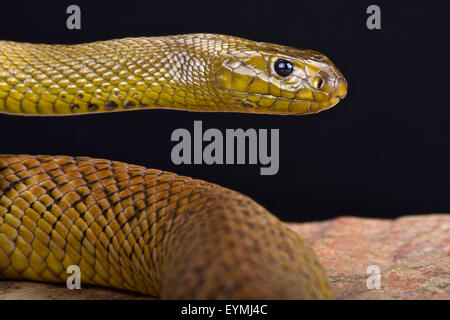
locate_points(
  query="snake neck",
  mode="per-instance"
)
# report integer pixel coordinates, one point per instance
(254, 257)
(117, 75)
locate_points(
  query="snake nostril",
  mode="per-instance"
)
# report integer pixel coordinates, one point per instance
(317, 82)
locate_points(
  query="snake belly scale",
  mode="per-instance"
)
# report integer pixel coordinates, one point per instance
(142, 229)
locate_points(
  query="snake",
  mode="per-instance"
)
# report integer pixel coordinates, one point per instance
(146, 230)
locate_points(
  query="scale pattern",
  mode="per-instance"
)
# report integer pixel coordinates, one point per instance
(197, 72)
(142, 229)
(146, 230)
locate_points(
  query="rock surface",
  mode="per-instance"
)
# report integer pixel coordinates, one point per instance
(412, 254)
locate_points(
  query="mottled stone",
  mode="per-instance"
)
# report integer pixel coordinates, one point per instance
(412, 252)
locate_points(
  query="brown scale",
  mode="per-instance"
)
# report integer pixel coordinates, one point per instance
(148, 231)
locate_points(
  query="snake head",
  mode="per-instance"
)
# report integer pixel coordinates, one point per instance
(268, 78)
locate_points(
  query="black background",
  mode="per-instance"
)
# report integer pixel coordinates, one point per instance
(381, 152)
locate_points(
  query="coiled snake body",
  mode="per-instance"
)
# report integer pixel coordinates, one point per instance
(143, 229)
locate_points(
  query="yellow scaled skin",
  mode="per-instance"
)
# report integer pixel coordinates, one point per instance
(143, 229)
(199, 72)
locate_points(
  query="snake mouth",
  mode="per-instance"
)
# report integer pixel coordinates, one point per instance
(267, 103)
(333, 101)
(340, 91)
(254, 102)
(338, 94)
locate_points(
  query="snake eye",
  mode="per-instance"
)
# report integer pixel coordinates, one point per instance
(283, 67)
(317, 82)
